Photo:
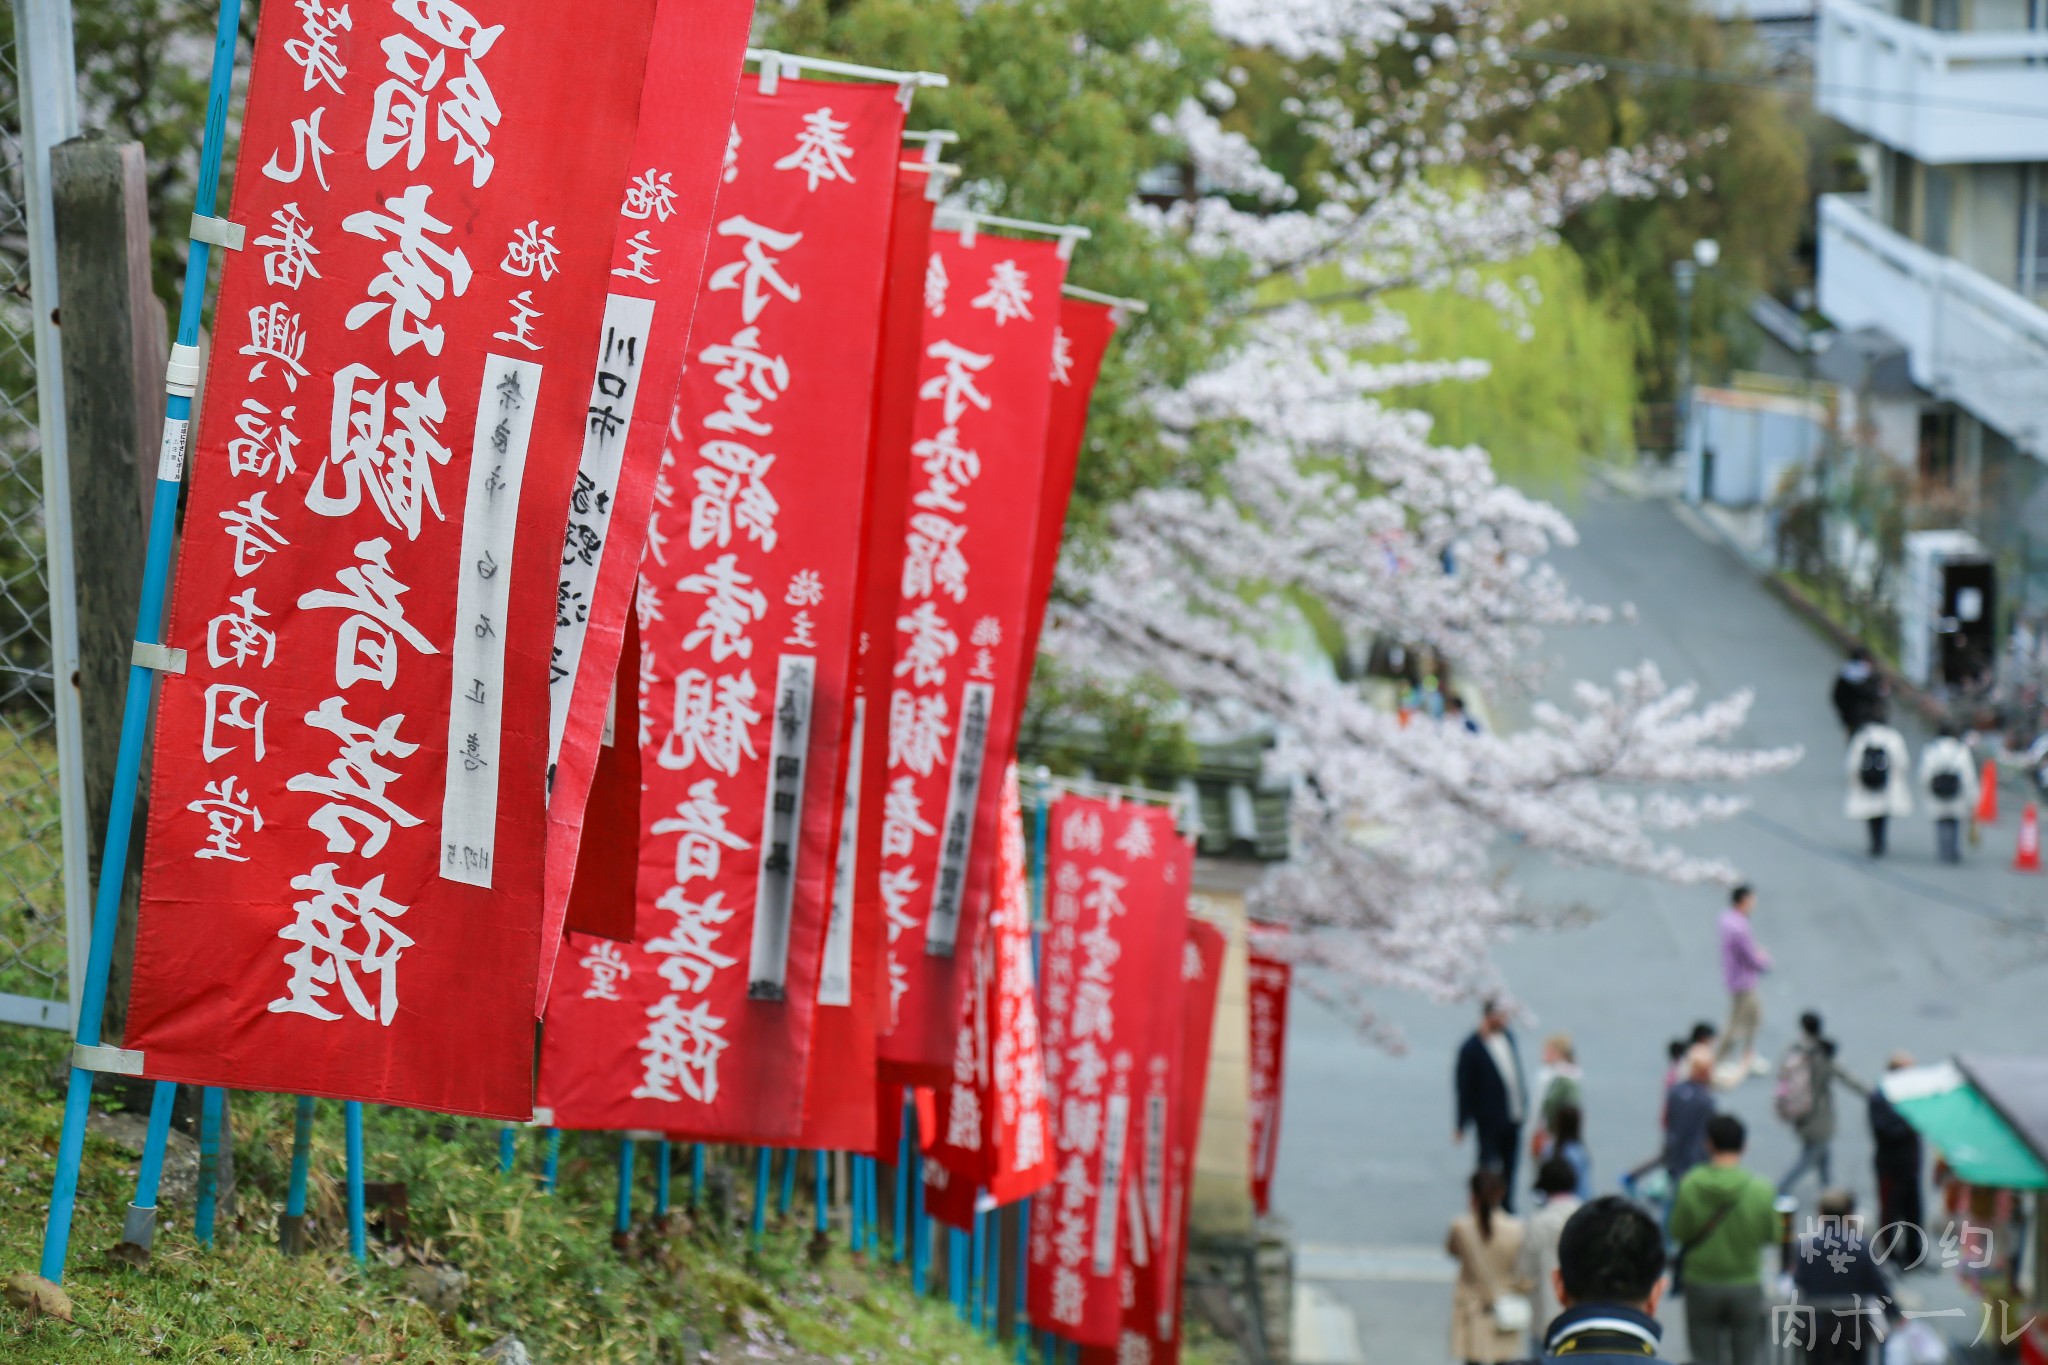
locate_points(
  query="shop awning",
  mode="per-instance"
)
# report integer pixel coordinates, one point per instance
(1972, 1136)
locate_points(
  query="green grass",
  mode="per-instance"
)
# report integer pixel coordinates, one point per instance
(541, 1266)
(31, 860)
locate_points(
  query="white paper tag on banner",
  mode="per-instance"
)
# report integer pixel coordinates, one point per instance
(170, 457)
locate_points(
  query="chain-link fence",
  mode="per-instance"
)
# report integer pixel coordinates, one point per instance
(32, 961)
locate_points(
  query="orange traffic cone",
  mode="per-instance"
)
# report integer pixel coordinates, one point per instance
(1987, 794)
(2027, 857)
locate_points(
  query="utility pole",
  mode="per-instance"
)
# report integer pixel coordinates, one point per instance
(1706, 253)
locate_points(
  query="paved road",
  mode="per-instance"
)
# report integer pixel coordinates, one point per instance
(1906, 954)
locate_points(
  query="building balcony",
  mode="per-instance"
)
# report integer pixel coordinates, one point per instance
(1941, 97)
(1967, 339)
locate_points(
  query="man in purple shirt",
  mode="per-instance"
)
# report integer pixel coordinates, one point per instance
(1742, 962)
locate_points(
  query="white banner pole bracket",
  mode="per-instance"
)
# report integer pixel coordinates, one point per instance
(162, 658)
(108, 1061)
(218, 232)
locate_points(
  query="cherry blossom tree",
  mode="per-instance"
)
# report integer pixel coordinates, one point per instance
(1335, 500)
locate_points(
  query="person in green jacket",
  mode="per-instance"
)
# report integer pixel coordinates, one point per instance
(1723, 1222)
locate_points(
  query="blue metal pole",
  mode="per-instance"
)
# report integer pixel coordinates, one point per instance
(553, 1165)
(141, 680)
(358, 1242)
(871, 1192)
(857, 1201)
(903, 1150)
(761, 1172)
(696, 1174)
(661, 1180)
(622, 1218)
(983, 1271)
(959, 1283)
(139, 1229)
(1051, 1348)
(508, 1149)
(920, 1229)
(1023, 1279)
(210, 1105)
(820, 1195)
(291, 1229)
(788, 1194)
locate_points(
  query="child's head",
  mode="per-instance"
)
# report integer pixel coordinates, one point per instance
(1558, 1048)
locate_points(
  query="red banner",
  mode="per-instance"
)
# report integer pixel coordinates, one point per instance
(1077, 350)
(984, 390)
(657, 261)
(839, 1097)
(1152, 1291)
(747, 611)
(602, 901)
(994, 1127)
(1266, 1003)
(343, 886)
(1119, 878)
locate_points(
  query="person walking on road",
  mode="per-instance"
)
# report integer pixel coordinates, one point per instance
(1878, 788)
(1490, 1308)
(1896, 1153)
(1557, 1186)
(1567, 1127)
(1492, 1100)
(1688, 1110)
(1949, 781)
(1805, 1099)
(1557, 1087)
(1742, 964)
(1859, 691)
(1722, 1222)
(1609, 1279)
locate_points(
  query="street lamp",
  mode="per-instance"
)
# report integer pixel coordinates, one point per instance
(1706, 254)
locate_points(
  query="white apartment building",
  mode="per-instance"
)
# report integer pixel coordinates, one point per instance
(1947, 253)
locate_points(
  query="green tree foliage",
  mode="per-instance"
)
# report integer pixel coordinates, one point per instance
(1560, 386)
(1745, 176)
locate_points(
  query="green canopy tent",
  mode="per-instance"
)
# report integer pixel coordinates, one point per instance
(1973, 1133)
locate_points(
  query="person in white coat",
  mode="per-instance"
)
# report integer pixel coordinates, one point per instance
(1948, 779)
(1879, 782)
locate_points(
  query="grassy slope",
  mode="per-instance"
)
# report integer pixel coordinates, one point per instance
(539, 1265)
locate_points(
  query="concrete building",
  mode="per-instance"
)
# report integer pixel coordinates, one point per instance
(1941, 269)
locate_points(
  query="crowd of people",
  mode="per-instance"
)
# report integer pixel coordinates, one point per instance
(1581, 1274)
(1713, 1217)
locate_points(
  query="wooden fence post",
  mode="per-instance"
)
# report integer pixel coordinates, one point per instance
(115, 344)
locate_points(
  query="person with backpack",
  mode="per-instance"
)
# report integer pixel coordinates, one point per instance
(1878, 785)
(1723, 1220)
(1949, 779)
(1805, 1099)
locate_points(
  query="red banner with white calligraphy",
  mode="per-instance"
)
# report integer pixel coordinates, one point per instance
(1078, 346)
(840, 1095)
(693, 74)
(343, 882)
(994, 1127)
(747, 634)
(978, 449)
(1266, 1004)
(1118, 883)
(1152, 1288)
